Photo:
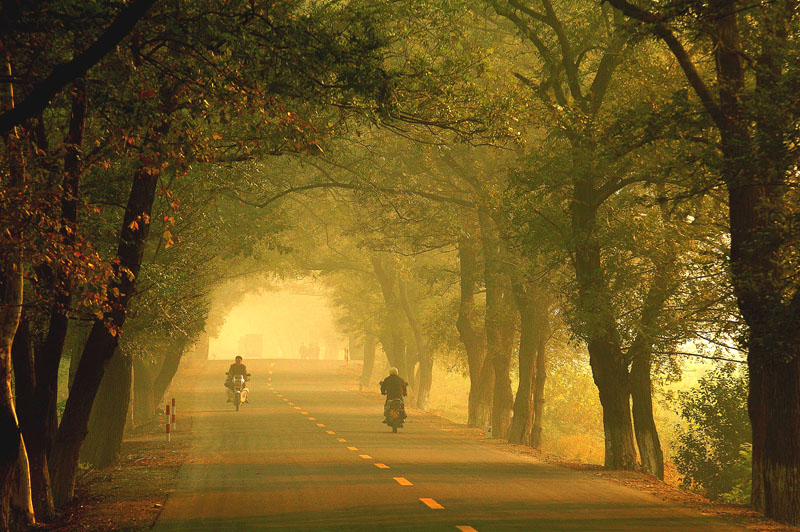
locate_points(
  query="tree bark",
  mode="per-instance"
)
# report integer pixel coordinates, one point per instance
(31, 425)
(499, 326)
(647, 439)
(369, 360)
(109, 414)
(104, 336)
(533, 306)
(39, 374)
(472, 335)
(522, 421)
(609, 367)
(538, 388)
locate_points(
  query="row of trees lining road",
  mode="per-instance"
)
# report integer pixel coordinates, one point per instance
(499, 186)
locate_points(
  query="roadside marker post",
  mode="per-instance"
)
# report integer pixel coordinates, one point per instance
(173, 413)
(168, 424)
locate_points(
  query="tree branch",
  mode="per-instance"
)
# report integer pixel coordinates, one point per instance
(65, 73)
(680, 53)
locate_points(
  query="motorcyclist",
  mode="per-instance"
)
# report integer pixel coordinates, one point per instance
(237, 369)
(393, 387)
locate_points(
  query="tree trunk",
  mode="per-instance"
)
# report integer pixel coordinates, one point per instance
(499, 326)
(482, 413)
(143, 401)
(538, 389)
(109, 414)
(647, 440)
(423, 350)
(611, 378)
(640, 353)
(395, 344)
(775, 418)
(609, 368)
(164, 378)
(104, 336)
(472, 335)
(34, 427)
(522, 422)
(369, 360)
(12, 446)
(39, 374)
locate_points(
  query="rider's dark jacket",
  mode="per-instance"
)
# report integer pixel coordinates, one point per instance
(393, 387)
(236, 370)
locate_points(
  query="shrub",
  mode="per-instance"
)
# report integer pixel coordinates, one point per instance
(714, 450)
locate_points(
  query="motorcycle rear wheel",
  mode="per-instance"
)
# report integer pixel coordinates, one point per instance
(394, 428)
(237, 400)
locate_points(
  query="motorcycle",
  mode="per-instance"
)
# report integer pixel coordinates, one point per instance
(395, 413)
(240, 389)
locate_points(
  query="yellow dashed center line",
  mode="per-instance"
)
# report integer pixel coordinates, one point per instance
(353, 448)
(304, 413)
(466, 528)
(402, 481)
(341, 440)
(430, 503)
(291, 404)
(320, 424)
(312, 419)
(381, 466)
(365, 456)
(298, 408)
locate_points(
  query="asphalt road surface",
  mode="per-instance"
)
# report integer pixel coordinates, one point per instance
(309, 453)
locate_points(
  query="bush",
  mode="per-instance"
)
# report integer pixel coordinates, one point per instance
(714, 451)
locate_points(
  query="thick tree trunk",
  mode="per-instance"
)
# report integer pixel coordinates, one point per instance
(369, 360)
(481, 412)
(40, 373)
(104, 336)
(609, 368)
(168, 370)
(611, 378)
(143, 402)
(647, 439)
(9, 429)
(775, 418)
(499, 326)
(522, 422)
(109, 414)
(641, 353)
(471, 333)
(34, 428)
(538, 390)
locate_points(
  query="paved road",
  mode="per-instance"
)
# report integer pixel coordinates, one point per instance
(309, 454)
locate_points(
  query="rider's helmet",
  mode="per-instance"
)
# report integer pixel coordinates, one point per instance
(238, 358)
(393, 371)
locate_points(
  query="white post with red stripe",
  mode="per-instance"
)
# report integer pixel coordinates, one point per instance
(168, 424)
(173, 414)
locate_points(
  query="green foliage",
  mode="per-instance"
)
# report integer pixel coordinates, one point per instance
(714, 450)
